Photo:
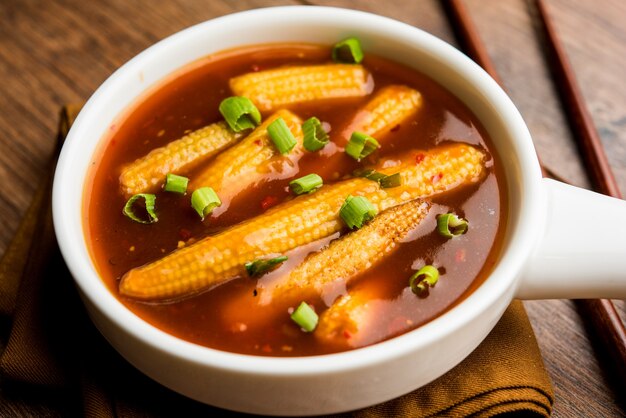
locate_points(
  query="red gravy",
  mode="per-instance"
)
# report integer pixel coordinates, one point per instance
(229, 317)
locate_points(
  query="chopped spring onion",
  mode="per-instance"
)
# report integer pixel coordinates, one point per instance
(240, 113)
(385, 181)
(393, 180)
(361, 145)
(450, 225)
(315, 137)
(369, 174)
(175, 184)
(305, 317)
(356, 210)
(281, 136)
(423, 279)
(204, 200)
(149, 200)
(348, 51)
(306, 184)
(259, 267)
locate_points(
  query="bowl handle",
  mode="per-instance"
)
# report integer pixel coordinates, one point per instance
(582, 251)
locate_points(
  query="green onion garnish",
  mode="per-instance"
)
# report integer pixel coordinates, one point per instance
(204, 200)
(240, 113)
(348, 51)
(259, 267)
(315, 137)
(385, 181)
(281, 136)
(356, 210)
(305, 317)
(175, 184)
(450, 225)
(393, 180)
(149, 199)
(423, 279)
(361, 145)
(369, 174)
(306, 184)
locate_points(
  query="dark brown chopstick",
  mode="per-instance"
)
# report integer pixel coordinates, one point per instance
(468, 38)
(606, 320)
(583, 128)
(601, 313)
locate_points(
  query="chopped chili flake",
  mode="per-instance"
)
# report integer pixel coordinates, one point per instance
(460, 255)
(435, 179)
(258, 142)
(266, 348)
(347, 335)
(395, 128)
(419, 158)
(184, 234)
(255, 67)
(268, 202)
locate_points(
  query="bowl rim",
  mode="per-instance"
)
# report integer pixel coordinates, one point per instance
(72, 239)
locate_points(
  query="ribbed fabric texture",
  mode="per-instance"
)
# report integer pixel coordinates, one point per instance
(53, 362)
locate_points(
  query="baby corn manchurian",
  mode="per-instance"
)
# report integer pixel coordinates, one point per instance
(347, 321)
(278, 87)
(349, 255)
(250, 160)
(305, 219)
(148, 172)
(391, 106)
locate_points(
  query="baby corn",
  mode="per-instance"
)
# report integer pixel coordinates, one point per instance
(272, 89)
(360, 318)
(218, 258)
(146, 173)
(251, 159)
(307, 218)
(387, 109)
(435, 171)
(353, 253)
(341, 322)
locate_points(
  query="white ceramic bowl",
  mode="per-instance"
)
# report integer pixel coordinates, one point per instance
(541, 256)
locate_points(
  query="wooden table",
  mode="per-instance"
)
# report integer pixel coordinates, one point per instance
(56, 52)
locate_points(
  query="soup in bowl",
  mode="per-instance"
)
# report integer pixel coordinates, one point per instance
(324, 200)
(190, 274)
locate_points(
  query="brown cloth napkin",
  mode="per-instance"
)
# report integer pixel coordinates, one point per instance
(53, 361)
